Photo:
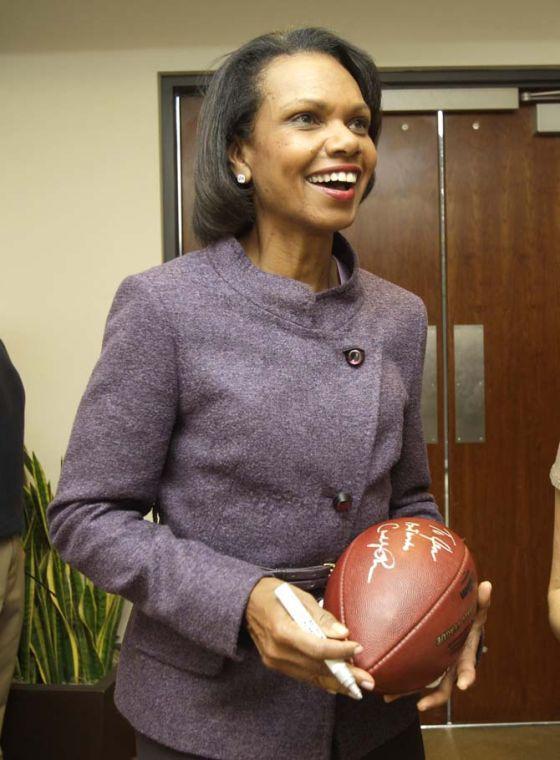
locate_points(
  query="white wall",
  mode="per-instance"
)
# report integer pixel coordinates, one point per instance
(79, 146)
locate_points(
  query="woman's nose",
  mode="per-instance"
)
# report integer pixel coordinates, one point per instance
(342, 140)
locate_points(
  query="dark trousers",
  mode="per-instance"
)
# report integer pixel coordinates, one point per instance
(407, 745)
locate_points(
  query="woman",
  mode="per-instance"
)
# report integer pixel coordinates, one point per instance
(264, 394)
(554, 585)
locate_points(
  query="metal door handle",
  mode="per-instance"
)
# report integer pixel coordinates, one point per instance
(429, 388)
(470, 422)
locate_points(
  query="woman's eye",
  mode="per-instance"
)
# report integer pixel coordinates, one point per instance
(361, 124)
(306, 119)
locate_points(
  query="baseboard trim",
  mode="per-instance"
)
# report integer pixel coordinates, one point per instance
(492, 725)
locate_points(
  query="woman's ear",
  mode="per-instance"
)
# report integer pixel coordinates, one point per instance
(238, 164)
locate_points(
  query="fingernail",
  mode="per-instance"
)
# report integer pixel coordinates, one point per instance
(462, 683)
(421, 707)
(359, 649)
(367, 685)
(354, 692)
(340, 629)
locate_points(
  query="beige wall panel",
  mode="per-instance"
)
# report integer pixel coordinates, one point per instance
(398, 32)
(80, 209)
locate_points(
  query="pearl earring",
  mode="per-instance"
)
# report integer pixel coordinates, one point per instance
(241, 178)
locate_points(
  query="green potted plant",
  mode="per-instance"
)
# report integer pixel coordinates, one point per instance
(61, 700)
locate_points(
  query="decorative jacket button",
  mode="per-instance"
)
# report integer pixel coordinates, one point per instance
(342, 501)
(355, 356)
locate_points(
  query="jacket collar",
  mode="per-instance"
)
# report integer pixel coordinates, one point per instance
(291, 299)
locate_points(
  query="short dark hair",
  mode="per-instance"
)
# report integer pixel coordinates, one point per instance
(222, 207)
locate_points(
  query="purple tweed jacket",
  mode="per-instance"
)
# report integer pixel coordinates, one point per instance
(223, 396)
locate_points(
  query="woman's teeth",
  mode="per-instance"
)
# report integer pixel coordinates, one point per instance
(350, 177)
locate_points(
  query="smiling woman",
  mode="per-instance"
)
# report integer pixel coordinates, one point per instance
(309, 169)
(301, 83)
(264, 394)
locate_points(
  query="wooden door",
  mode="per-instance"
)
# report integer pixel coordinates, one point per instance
(396, 232)
(396, 235)
(503, 254)
(190, 108)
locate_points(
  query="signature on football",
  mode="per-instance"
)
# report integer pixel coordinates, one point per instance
(382, 556)
(440, 540)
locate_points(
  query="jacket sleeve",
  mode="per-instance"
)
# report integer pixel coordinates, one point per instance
(111, 476)
(410, 476)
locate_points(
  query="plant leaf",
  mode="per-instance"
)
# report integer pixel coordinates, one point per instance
(69, 625)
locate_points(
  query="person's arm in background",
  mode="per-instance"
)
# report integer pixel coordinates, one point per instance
(12, 413)
(554, 585)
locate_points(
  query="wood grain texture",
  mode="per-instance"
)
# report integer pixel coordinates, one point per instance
(396, 236)
(396, 232)
(503, 215)
(190, 108)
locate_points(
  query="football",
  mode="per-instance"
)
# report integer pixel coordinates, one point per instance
(407, 590)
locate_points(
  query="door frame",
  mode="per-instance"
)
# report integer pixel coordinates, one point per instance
(173, 85)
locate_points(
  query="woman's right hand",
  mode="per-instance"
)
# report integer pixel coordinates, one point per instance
(287, 648)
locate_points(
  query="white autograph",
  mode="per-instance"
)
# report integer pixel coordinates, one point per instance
(381, 555)
(437, 540)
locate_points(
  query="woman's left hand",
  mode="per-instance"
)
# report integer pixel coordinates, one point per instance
(464, 671)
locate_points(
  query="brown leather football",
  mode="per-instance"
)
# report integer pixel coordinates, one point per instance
(406, 589)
